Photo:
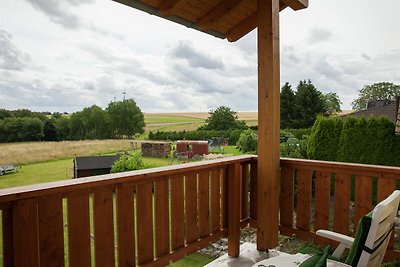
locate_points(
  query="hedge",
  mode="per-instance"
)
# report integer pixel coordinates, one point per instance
(355, 140)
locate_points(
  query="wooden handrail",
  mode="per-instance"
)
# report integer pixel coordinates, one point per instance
(136, 177)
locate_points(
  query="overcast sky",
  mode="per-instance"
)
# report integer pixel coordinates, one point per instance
(64, 55)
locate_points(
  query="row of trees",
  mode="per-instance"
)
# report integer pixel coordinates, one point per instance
(120, 119)
(300, 108)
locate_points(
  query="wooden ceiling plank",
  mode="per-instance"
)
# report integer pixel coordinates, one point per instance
(296, 4)
(167, 7)
(217, 13)
(246, 26)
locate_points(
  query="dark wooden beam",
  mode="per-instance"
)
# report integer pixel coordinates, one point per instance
(216, 14)
(166, 8)
(246, 26)
(268, 184)
(296, 4)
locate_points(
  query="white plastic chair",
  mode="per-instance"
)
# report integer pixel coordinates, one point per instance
(366, 249)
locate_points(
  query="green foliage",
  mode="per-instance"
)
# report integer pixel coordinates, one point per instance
(376, 91)
(49, 131)
(299, 109)
(324, 139)
(291, 148)
(21, 129)
(248, 141)
(288, 113)
(126, 118)
(128, 163)
(355, 140)
(223, 118)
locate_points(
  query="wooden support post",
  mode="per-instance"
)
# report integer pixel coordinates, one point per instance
(268, 124)
(233, 210)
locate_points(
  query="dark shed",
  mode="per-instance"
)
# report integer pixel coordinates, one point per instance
(93, 165)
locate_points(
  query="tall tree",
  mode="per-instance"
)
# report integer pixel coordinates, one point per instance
(309, 103)
(376, 91)
(287, 106)
(223, 118)
(96, 123)
(332, 103)
(126, 118)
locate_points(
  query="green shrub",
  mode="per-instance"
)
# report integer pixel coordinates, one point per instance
(291, 148)
(128, 163)
(248, 141)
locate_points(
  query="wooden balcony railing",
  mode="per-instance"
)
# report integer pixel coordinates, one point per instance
(331, 195)
(145, 218)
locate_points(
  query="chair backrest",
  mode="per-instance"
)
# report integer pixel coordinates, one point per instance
(382, 223)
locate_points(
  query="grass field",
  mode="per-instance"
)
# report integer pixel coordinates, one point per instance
(186, 121)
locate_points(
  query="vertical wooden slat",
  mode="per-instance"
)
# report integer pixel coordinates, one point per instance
(287, 197)
(144, 210)
(341, 204)
(215, 193)
(224, 200)
(191, 208)
(322, 200)
(204, 204)
(177, 213)
(79, 230)
(125, 225)
(363, 197)
(51, 231)
(244, 200)
(8, 242)
(103, 228)
(253, 189)
(233, 209)
(268, 123)
(25, 226)
(303, 199)
(162, 216)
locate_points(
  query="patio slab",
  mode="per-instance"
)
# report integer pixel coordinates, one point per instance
(249, 255)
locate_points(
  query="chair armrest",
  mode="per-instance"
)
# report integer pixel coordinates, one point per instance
(332, 263)
(343, 239)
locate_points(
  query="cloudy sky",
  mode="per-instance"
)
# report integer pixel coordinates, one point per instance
(64, 55)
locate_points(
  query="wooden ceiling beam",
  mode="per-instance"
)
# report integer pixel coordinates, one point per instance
(246, 26)
(216, 14)
(296, 4)
(167, 7)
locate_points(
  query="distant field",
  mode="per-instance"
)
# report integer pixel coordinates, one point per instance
(186, 121)
(27, 152)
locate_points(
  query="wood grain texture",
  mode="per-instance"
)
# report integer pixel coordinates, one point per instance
(8, 242)
(161, 190)
(363, 198)
(267, 16)
(144, 213)
(322, 200)
(304, 190)
(215, 202)
(51, 231)
(78, 230)
(177, 212)
(341, 204)
(244, 191)
(233, 210)
(125, 225)
(287, 197)
(204, 204)
(103, 221)
(192, 233)
(253, 189)
(26, 236)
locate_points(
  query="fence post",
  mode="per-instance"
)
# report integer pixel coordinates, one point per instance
(233, 175)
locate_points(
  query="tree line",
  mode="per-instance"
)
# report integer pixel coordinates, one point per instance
(121, 119)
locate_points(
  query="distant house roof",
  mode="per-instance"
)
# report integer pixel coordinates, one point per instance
(383, 108)
(95, 162)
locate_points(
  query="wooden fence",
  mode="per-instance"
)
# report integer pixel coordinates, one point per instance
(142, 218)
(331, 195)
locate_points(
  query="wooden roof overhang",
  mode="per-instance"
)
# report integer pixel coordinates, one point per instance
(233, 19)
(230, 19)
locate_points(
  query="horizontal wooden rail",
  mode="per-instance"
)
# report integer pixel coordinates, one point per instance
(331, 195)
(141, 218)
